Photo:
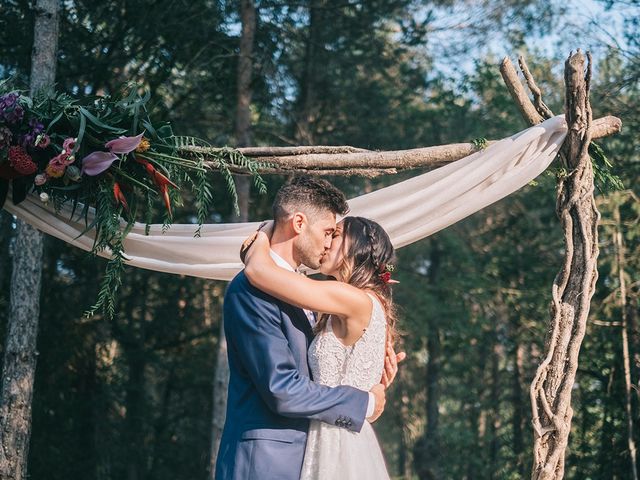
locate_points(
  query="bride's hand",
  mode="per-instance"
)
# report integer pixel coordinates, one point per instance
(246, 245)
(265, 228)
(391, 361)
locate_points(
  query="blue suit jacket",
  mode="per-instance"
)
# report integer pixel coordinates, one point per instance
(271, 395)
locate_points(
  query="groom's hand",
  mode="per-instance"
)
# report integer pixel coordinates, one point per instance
(391, 362)
(378, 393)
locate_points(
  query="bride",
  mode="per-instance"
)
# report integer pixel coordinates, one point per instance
(356, 320)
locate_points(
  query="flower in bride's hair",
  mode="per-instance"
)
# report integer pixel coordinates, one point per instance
(385, 274)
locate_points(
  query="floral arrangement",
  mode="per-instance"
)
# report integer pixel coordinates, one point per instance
(107, 154)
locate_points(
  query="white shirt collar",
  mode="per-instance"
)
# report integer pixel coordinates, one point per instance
(281, 262)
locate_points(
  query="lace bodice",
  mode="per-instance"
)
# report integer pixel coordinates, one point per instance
(359, 365)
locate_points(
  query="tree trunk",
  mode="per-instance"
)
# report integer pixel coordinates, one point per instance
(243, 187)
(494, 416)
(626, 361)
(132, 341)
(134, 422)
(405, 441)
(245, 92)
(430, 468)
(573, 286)
(518, 420)
(20, 347)
(307, 109)
(6, 219)
(607, 430)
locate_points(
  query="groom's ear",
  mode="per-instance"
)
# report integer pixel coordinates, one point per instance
(297, 221)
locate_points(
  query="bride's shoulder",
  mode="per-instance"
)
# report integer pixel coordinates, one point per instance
(373, 296)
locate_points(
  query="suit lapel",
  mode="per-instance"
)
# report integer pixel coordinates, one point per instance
(300, 321)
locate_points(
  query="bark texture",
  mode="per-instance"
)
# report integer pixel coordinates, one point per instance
(574, 285)
(346, 160)
(20, 348)
(618, 242)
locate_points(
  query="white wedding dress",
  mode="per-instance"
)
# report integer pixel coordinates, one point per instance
(335, 453)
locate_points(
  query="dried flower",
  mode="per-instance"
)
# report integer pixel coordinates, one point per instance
(143, 146)
(55, 169)
(73, 173)
(41, 179)
(42, 141)
(20, 160)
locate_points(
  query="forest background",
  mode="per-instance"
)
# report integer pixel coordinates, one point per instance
(134, 398)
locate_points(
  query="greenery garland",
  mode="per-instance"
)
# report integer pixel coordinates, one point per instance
(104, 153)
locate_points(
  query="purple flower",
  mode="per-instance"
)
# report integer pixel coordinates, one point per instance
(68, 145)
(124, 145)
(8, 100)
(10, 110)
(36, 126)
(97, 162)
(29, 139)
(43, 141)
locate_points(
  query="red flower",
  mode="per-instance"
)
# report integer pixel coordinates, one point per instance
(164, 190)
(160, 180)
(119, 196)
(20, 160)
(385, 276)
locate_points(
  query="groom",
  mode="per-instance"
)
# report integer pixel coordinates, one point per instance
(271, 395)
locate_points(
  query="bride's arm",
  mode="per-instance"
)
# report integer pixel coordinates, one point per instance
(332, 297)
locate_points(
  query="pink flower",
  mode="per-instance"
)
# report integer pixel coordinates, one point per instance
(54, 169)
(124, 145)
(61, 160)
(43, 141)
(97, 162)
(41, 179)
(68, 145)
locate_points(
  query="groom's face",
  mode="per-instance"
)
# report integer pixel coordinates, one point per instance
(314, 238)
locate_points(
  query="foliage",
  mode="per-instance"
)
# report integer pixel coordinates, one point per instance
(132, 397)
(52, 130)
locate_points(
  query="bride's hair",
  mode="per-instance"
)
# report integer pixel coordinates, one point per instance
(367, 253)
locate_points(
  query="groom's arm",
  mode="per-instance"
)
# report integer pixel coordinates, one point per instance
(253, 327)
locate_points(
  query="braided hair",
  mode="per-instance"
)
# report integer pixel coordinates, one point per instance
(367, 252)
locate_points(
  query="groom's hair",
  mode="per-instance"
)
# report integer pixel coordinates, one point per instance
(309, 195)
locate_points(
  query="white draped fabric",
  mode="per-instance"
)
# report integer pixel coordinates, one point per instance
(409, 210)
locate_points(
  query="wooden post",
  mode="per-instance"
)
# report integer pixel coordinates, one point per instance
(574, 285)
